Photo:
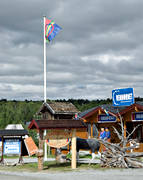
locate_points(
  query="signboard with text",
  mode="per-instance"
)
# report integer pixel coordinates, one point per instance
(137, 116)
(123, 97)
(12, 146)
(106, 118)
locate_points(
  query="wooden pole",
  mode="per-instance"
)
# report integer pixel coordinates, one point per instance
(40, 151)
(91, 130)
(73, 163)
(2, 157)
(20, 157)
(125, 129)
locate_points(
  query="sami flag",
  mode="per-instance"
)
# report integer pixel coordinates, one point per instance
(107, 113)
(51, 29)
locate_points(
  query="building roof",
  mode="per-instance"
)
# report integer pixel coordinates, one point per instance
(58, 108)
(12, 132)
(14, 126)
(111, 109)
(82, 114)
(57, 124)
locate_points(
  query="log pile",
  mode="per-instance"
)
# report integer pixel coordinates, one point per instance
(120, 155)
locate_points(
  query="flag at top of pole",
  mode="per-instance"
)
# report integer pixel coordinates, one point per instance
(51, 29)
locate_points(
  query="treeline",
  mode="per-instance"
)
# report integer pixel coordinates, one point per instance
(21, 112)
(84, 104)
(17, 112)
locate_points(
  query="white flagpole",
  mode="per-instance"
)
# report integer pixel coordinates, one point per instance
(45, 85)
(45, 64)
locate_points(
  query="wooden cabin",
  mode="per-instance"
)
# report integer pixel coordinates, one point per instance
(108, 116)
(59, 111)
(56, 110)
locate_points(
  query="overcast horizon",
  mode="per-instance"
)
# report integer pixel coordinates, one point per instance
(98, 49)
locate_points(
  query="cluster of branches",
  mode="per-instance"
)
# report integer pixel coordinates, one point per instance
(121, 154)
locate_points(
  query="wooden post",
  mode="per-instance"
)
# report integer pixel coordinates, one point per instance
(20, 157)
(136, 109)
(40, 151)
(125, 128)
(91, 130)
(2, 158)
(73, 163)
(99, 111)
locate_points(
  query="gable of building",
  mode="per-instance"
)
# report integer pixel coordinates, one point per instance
(138, 106)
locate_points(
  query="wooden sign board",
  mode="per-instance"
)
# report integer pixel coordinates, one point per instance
(58, 138)
(58, 143)
(31, 146)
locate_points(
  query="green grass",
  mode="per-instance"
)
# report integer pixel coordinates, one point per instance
(48, 166)
(31, 167)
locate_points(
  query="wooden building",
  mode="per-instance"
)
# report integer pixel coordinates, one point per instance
(56, 110)
(108, 116)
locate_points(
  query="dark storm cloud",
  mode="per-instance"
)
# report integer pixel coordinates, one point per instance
(99, 48)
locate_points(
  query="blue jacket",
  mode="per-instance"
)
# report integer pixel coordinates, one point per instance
(102, 135)
(107, 134)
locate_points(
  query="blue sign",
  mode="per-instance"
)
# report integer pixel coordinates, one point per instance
(106, 118)
(123, 97)
(137, 116)
(12, 146)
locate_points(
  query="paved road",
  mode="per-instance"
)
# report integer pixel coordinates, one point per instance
(129, 174)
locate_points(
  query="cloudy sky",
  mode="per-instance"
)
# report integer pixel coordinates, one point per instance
(100, 48)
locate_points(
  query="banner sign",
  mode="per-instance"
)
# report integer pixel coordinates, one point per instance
(12, 146)
(137, 116)
(123, 97)
(106, 118)
(58, 143)
(58, 138)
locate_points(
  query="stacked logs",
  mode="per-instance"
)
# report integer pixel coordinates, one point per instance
(121, 155)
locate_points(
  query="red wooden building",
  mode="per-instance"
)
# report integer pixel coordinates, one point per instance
(108, 116)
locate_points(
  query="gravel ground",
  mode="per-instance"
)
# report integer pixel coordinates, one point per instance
(105, 174)
(111, 174)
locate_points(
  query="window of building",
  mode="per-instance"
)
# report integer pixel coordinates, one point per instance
(95, 131)
(89, 130)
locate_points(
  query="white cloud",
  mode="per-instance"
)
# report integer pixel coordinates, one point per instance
(98, 49)
(106, 58)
